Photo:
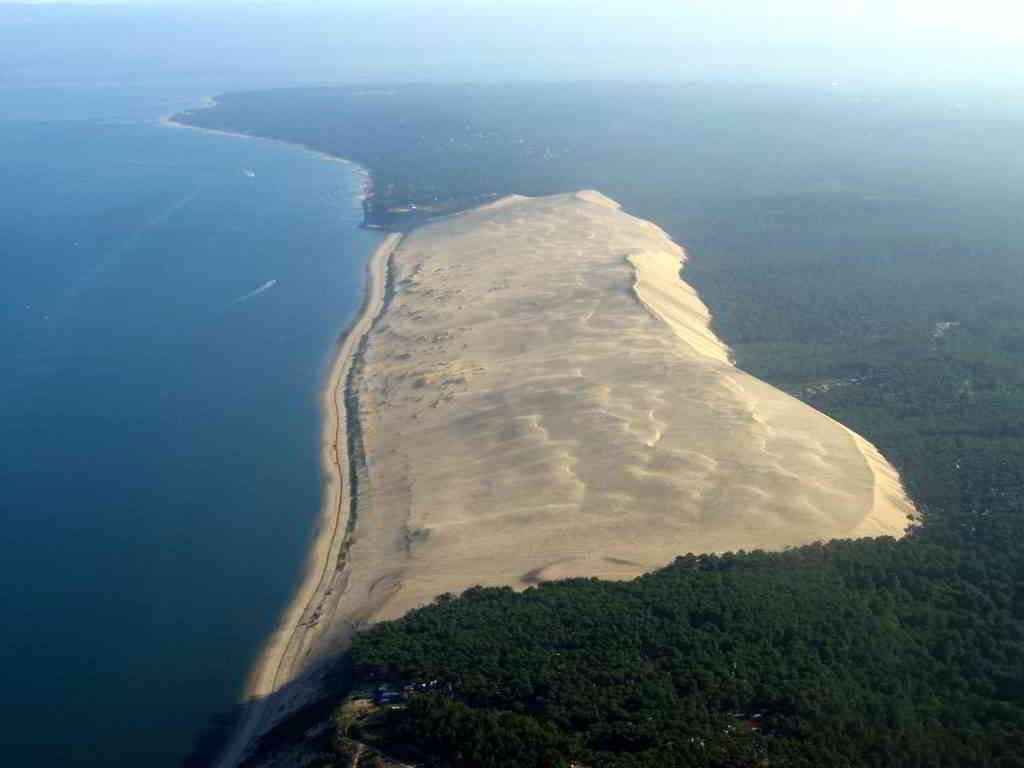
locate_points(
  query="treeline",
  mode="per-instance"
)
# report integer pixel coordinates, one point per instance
(863, 653)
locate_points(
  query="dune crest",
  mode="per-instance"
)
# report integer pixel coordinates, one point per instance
(543, 398)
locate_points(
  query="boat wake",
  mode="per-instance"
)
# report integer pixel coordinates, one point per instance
(253, 294)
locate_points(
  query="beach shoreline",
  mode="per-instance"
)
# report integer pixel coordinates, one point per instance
(282, 662)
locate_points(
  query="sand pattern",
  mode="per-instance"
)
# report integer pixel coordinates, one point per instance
(543, 398)
(532, 393)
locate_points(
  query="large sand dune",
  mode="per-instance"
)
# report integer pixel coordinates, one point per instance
(543, 398)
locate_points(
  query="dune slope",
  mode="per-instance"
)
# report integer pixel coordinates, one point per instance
(543, 398)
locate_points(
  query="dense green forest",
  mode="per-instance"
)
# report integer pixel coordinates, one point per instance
(871, 653)
(863, 251)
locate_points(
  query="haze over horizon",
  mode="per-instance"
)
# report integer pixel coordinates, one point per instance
(861, 42)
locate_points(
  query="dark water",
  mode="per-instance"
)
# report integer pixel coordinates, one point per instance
(159, 472)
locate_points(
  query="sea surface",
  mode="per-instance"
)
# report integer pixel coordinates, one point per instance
(169, 301)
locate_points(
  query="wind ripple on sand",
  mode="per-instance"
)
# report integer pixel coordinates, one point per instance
(544, 398)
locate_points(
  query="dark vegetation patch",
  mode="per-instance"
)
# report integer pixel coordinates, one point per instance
(868, 653)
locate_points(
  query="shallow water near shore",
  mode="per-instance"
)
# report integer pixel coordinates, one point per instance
(170, 300)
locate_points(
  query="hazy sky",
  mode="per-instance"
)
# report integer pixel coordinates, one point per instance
(885, 20)
(919, 40)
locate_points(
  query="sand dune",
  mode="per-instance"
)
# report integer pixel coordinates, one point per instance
(543, 398)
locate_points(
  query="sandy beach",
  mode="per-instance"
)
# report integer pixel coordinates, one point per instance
(284, 677)
(285, 657)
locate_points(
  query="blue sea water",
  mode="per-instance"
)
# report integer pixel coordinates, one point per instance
(160, 434)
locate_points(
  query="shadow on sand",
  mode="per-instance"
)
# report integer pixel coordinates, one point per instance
(218, 732)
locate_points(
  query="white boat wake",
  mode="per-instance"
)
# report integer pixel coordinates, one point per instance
(253, 294)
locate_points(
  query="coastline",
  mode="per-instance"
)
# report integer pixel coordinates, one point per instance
(365, 177)
(281, 662)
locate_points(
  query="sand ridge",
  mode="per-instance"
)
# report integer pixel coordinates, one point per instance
(544, 398)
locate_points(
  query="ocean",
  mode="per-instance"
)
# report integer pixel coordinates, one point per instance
(170, 300)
